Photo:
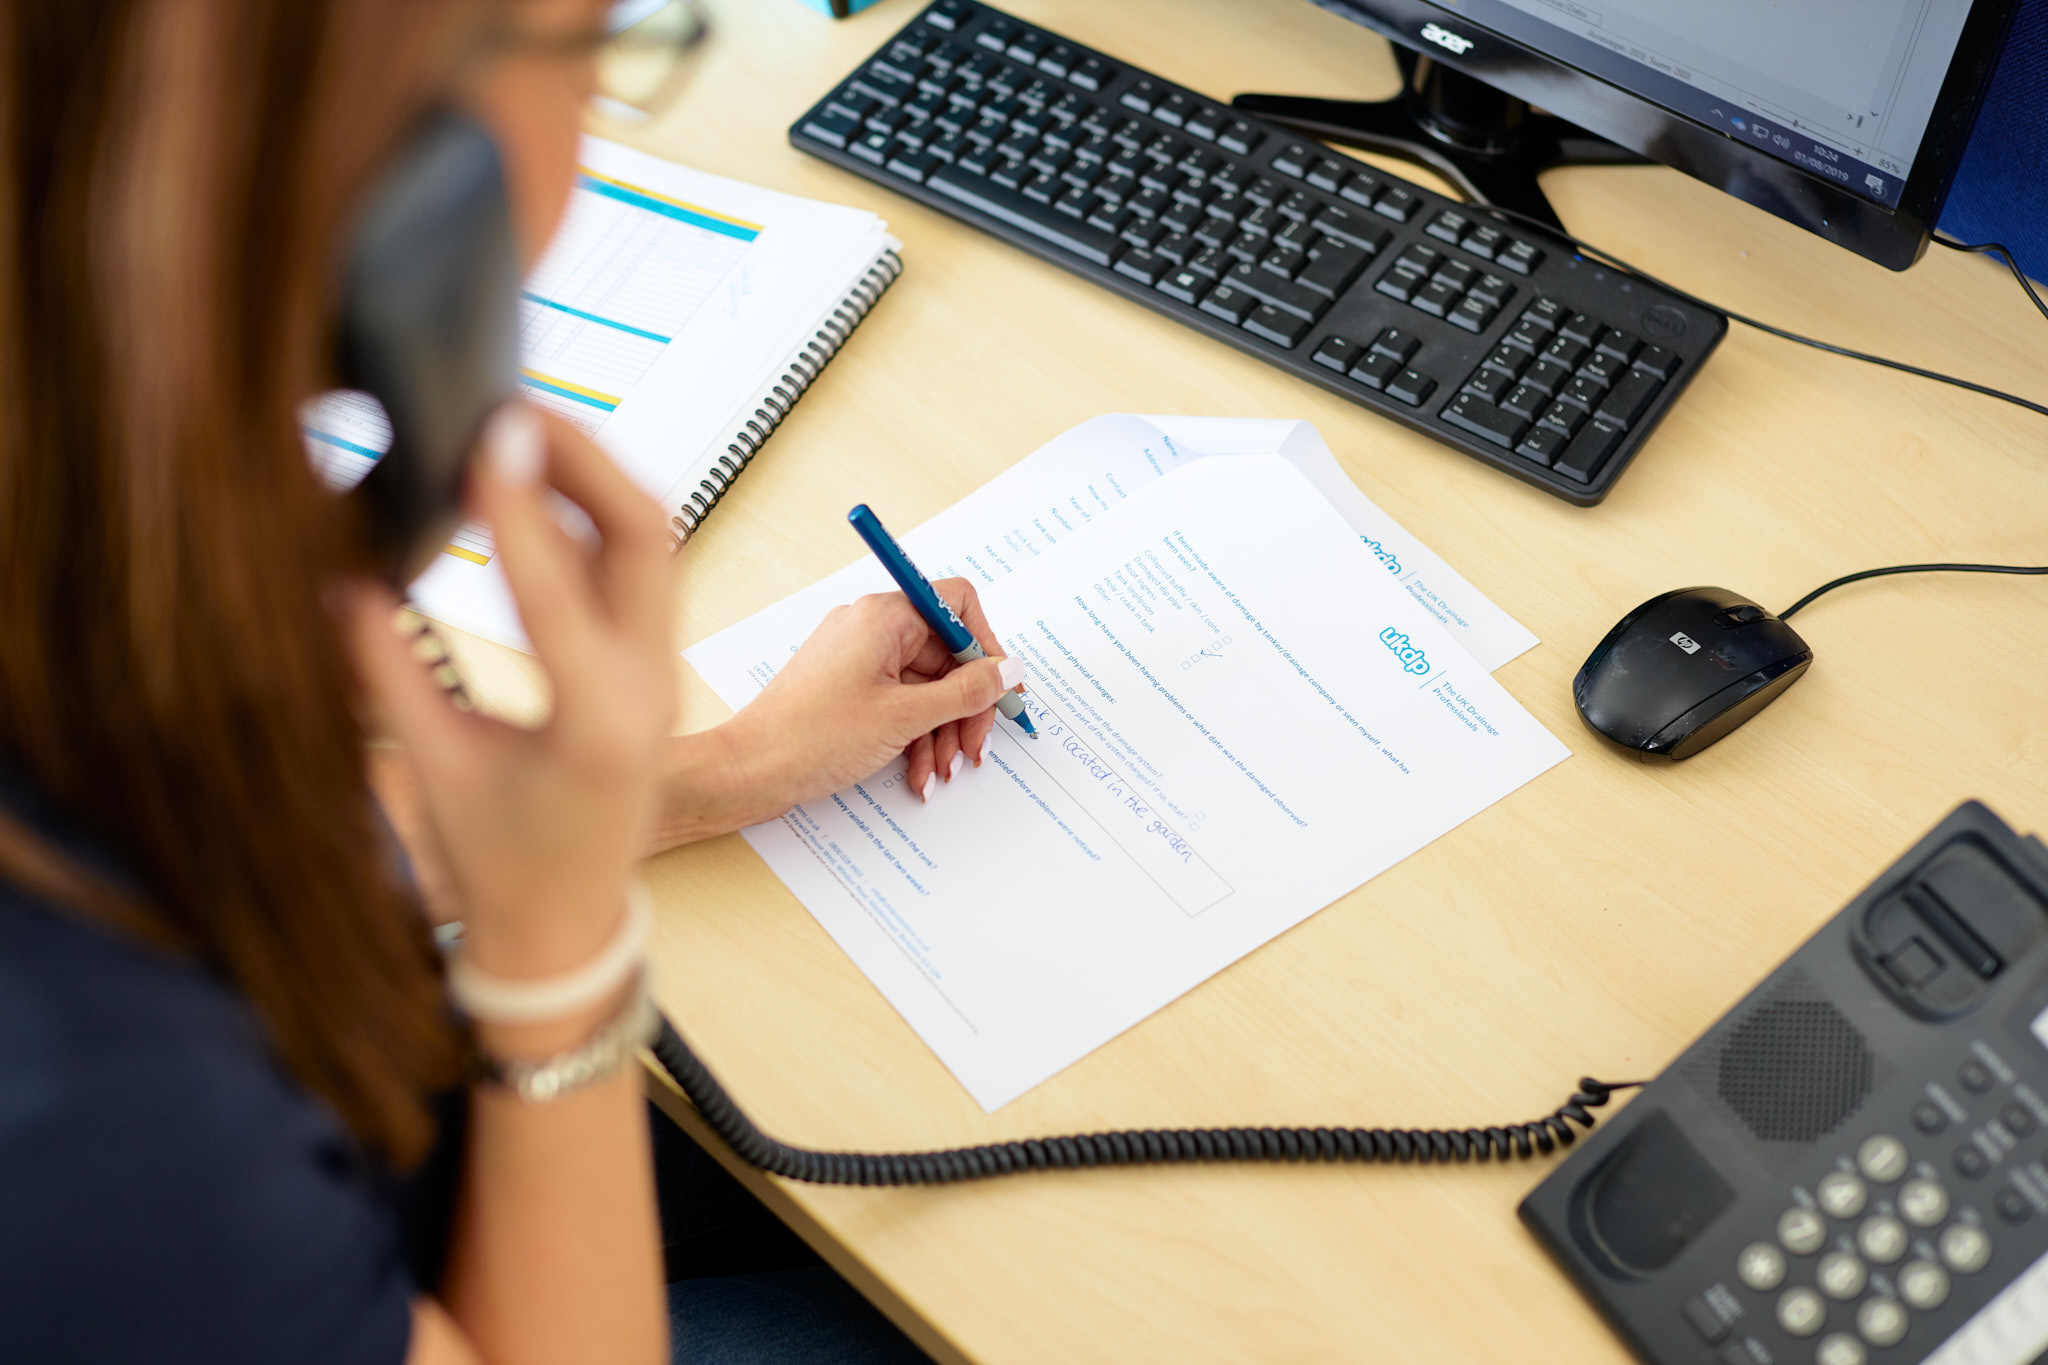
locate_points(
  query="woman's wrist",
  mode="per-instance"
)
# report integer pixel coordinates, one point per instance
(717, 781)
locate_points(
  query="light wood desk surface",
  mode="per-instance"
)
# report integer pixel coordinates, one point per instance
(1593, 922)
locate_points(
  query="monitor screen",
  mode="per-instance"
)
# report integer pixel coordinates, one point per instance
(1842, 89)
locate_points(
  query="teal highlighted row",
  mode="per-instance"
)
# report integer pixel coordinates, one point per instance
(666, 209)
(334, 440)
(614, 323)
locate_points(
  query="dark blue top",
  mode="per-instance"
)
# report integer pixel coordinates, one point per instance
(167, 1191)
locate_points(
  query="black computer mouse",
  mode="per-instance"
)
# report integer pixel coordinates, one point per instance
(1684, 669)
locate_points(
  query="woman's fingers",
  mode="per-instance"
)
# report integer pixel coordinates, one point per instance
(947, 759)
(974, 733)
(549, 575)
(635, 568)
(923, 779)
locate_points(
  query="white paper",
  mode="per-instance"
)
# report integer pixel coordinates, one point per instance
(667, 301)
(1243, 716)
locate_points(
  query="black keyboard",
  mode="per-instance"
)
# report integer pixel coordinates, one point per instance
(1499, 340)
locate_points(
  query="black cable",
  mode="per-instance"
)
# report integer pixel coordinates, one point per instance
(1130, 1147)
(1996, 249)
(1610, 258)
(1786, 614)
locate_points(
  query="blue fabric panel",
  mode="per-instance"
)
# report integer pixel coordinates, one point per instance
(2001, 188)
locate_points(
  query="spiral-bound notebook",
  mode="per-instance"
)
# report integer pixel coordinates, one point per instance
(677, 317)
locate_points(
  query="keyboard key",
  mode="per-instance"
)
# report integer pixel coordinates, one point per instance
(1434, 298)
(1526, 401)
(1564, 351)
(1338, 354)
(1563, 416)
(1263, 190)
(1289, 298)
(1176, 247)
(1419, 257)
(1602, 369)
(1075, 202)
(834, 130)
(1400, 284)
(1230, 303)
(1296, 205)
(1589, 452)
(1630, 398)
(1325, 174)
(1332, 272)
(1141, 95)
(1492, 385)
(1396, 342)
(914, 166)
(1657, 361)
(1184, 285)
(1546, 313)
(1412, 387)
(880, 85)
(1026, 46)
(1581, 392)
(1299, 235)
(1211, 264)
(1283, 263)
(1173, 111)
(1507, 359)
(1472, 315)
(871, 147)
(1092, 73)
(1580, 327)
(1275, 326)
(1293, 160)
(1491, 288)
(1348, 226)
(1015, 210)
(1042, 188)
(1456, 274)
(949, 14)
(1397, 203)
(1360, 188)
(1376, 369)
(1058, 60)
(1618, 344)
(1182, 218)
(1484, 240)
(1547, 375)
(1238, 136)
(1141, 265)
(1541, 445)
(1449, 226)
(1469, 412)
(1519, 257)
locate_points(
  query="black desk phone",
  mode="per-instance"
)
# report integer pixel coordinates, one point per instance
(1851, 1167)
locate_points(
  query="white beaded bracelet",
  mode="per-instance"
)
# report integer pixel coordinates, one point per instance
(494, 999)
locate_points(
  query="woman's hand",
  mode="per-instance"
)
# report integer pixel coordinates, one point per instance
(872, 682)
(539, 829)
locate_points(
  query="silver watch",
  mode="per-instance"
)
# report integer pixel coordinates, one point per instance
(608, 1050)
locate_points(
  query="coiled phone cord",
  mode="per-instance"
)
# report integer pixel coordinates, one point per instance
(1130, 1147)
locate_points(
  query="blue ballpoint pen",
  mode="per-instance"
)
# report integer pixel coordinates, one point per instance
(958, 640)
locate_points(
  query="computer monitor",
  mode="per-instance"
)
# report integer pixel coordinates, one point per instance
(1847, 117)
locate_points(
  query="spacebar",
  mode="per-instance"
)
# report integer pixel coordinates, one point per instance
(2012, 1329)
(1040, 220)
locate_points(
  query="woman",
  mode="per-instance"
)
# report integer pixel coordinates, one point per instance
(223, 1029)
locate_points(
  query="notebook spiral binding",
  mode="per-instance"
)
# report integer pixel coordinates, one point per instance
(782, 395)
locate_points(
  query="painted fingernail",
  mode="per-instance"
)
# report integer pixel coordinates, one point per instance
(514, 444)
(931, 784)
(1011, 671)
(959, 762)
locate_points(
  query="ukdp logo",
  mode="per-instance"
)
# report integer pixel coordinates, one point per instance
(1399, 645)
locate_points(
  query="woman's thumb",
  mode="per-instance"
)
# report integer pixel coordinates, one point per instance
(967, 691)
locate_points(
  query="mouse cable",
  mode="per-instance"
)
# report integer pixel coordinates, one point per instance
(1131, 1147)
(1996, 249)
(1846, 579)
(1588, 249)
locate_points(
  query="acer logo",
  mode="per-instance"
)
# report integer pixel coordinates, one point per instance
(1447, 40)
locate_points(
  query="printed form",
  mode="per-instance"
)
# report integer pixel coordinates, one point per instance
(1243, 716)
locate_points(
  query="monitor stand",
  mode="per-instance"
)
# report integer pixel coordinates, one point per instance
(1487, 143)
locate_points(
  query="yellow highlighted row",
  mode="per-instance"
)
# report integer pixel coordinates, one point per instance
(669, 199)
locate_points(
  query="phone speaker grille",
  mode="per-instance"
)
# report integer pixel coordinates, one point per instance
(1794, 1068)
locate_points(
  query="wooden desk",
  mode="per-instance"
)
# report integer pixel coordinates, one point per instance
(1593, 922)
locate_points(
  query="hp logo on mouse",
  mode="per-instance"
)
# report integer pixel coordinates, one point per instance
(1402, 648)
(1447, 40)
(1685, 642)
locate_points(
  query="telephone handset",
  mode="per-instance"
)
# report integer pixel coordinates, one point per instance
(428, 325)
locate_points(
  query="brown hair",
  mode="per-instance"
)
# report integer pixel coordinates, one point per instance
(174, 175)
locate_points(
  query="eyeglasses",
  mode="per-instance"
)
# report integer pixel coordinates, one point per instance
(644, 49)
